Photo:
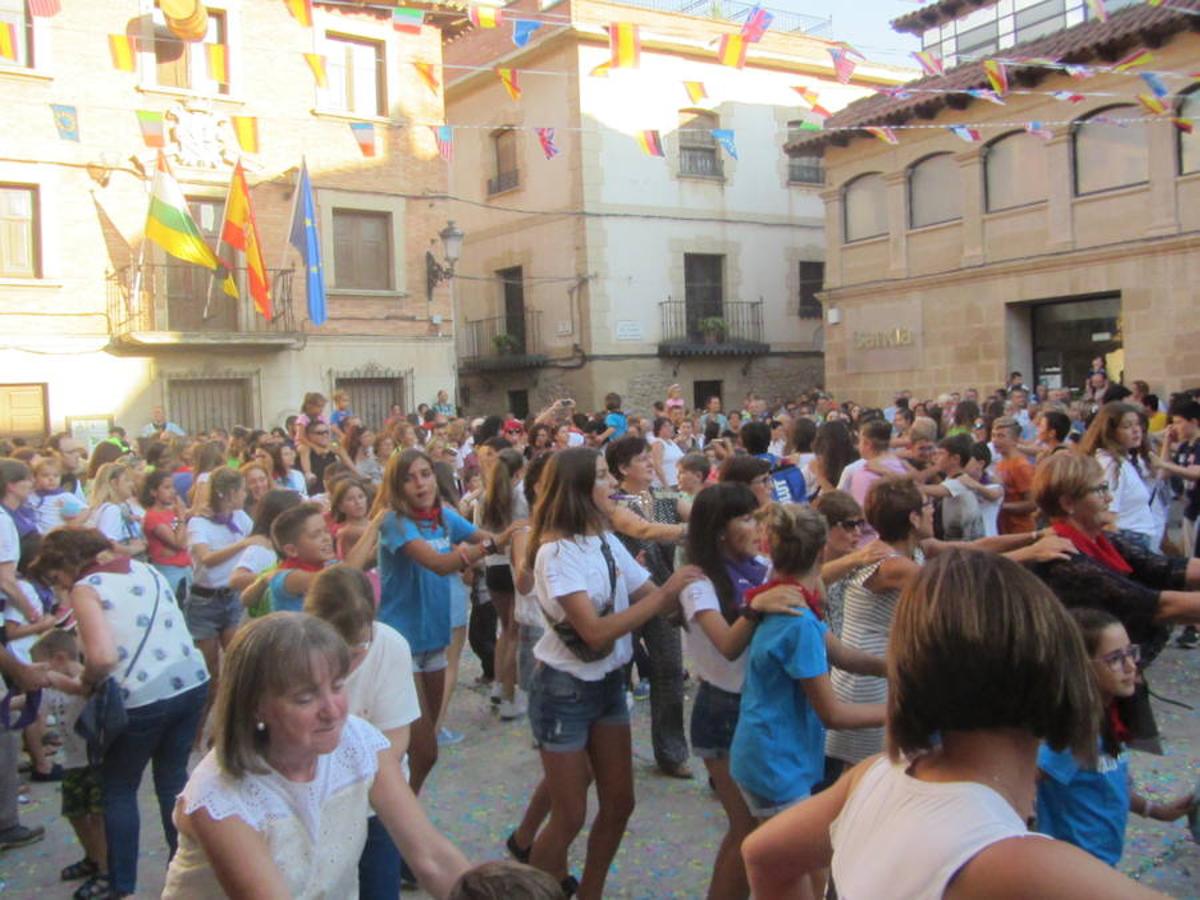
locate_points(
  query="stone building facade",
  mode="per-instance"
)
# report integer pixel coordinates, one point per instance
(99, 326)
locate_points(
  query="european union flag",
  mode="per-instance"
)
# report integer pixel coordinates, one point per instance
(66, 120)
(304, 237)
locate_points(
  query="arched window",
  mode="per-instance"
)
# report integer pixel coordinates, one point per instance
(697, 147)
(865, 204)
(934, 191)
(1014, 171)
(1189, 144)
(1109, 151)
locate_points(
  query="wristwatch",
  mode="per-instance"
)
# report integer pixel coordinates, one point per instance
(751, 614)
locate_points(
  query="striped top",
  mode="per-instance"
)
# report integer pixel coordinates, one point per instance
(866, 623)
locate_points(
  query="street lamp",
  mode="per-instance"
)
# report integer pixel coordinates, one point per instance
(435, 273)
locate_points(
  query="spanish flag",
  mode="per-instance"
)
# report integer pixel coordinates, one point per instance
(483, 16)
(626, 45)
(245, 128)
(301, 11)
(8, 41)
(124, 52)
(650, 142)
(695, 91)
(1138, 57)
(316, 62)
(732, 51)
(508, 78)
(428, 75)
(170, 225)
(240, 234)
(997, 76)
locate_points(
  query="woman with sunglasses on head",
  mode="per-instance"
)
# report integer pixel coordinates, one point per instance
(1112, 571)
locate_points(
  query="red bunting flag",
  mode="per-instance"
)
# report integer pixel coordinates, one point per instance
(46, 9)
(482, 16)
(626, 45)
(1184, 125)
(843, 65)
(732, 51)
(970, 135)
(809, 96)
(508, 78)
(884, 133)
(997, 76)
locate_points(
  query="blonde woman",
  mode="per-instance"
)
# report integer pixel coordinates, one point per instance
(114, 512)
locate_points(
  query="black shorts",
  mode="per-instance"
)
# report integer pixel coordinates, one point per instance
(499, 578)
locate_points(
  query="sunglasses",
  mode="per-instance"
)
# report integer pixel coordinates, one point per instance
(853, 524)
(321, 431)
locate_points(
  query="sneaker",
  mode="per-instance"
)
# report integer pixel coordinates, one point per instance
(448, 738)
(519, 853)
(513, 709)
(641, 690)
(20, 836)
(1189, 638)
(494, 693)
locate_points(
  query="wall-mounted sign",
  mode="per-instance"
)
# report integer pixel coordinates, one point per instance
(630, 330)
(882, 335)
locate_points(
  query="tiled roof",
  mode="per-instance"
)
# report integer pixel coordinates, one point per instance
(1125, 30)
(938, 13)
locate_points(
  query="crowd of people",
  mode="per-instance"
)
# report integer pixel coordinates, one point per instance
(934, 618)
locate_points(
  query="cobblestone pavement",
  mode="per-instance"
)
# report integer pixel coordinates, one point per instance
(479, 788)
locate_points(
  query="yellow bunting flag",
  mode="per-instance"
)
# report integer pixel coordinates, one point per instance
(245, 129)
(428, 75)
(650, 142)
(997, 76)
(695, 91)
(508, 78)
(316, 62)
(884, 134)
(483, 16)
(732, 51)
(123, 50)
(8, 41)
(1139, 57)
(602, 70)
(301, 11)
(1152, 104)
(218, 63)
(626, 45)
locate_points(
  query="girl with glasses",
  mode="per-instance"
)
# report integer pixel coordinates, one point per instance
(1088, 803)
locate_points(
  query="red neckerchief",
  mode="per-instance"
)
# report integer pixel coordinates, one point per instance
(118, 566)
(1098, 548)
(1119, 729)
(812, 598)
(431, 516)
(296, 563)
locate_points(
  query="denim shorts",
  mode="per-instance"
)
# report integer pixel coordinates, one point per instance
(460, 602)
(714, 719)
(764, 807)
(430, 660)
(527, 636)
(563, 708)
(208, 616)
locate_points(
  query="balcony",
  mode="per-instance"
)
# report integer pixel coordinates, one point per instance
(163, 306)
(504, 181)
(726, 328)
(700, 162)
(502, 343)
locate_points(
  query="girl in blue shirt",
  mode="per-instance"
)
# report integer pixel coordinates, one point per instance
(1088, 804)
(422, 545)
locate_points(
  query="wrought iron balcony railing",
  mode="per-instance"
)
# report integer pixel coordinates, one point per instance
(723, 328)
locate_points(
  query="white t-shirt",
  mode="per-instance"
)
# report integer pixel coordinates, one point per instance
(1130, 498)
(576, 564)
(962, 519)
(215, 537)
(20, 647)
(381, 690)
(10, 541)
(53, 509)
(117, 522)
(709, 662)
(255, 559)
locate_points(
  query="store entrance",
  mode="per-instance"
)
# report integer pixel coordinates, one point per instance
(1069, 334)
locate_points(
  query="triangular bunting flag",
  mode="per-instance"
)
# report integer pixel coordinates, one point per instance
(695, 91)
(650, 142)
(1098, 10)
(884, 133)
(724, 137)
(443, 136)
(428, 75)
(732, 51)
(930, 64)
(1037, 129)
(997, 76)
(508, 78)
(316, 62)
(1139, 57)
(756, 25)
(301, 11)
(626, 45)
(1152, 104)
(810, 97)
(364, 133)
(1157, 86)
(970, 135)
(988, 95)
(407, 20)
(482, 16)
(843, 65)
(123, 50)
(151, 123)
(245, 128)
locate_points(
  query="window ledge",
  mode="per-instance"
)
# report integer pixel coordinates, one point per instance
(934, 226)
(1123, 190)
(863, 241)
(31, 74)
(364, 294)
(40, 283)
(491, 195)
(707, 179)
(1015, 210)
(806, 184)
(342, 115)
(188, 93)
(1188, 176)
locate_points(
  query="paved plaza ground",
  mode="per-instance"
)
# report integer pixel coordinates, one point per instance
(478, 791)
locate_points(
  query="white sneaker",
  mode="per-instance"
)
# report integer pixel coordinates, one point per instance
(513, 709)
(494, 694)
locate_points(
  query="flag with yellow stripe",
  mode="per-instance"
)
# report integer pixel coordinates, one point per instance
(170, 225)
(240, 233)
(626, 45)
(123, 50)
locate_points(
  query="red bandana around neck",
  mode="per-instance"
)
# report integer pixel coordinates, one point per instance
(431, 516)
(812, 598)
(1098, 548)
(296, 563)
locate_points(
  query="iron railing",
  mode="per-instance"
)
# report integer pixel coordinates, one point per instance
(514, 338)
(188, 299)
(736, 11)
(504, 181)
(723, 326)
(702, 162)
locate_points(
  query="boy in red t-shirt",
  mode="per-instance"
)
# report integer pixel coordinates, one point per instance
(1015, 472)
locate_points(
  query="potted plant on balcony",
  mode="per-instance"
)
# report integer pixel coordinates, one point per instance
(505, 344)
(714, 329)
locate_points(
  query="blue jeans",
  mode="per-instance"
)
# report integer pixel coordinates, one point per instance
(160, 733)
(379, 865)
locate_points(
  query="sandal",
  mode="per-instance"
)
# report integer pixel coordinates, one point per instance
(85, 868)
(98, 887)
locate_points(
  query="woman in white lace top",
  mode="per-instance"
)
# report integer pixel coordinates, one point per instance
(279, 807)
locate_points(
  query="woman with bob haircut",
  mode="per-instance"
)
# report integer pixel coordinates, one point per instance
(592, 594)
(278, 808)
(984, 663)
(1113, 571)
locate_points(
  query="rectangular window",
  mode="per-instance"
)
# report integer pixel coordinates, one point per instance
(504, 150)
(978, 41)
(512, 283)
(805, 170)
(14, 13)
(372, 398)
(518, 403)
(703, 289)
(362, 249)
(186, 65)
(1040, 19)
(357, 75)
(23, 410)
(812, 280)
(19, 231)
(201, 404)
(698, 155)
(702, 390)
